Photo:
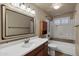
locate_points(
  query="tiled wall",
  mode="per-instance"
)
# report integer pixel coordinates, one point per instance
(63, 31)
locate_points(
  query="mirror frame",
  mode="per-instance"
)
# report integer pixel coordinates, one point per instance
(4, 8)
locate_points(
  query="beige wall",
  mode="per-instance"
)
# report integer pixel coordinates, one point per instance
(77, 15)
(77, 29)
(0, 22)
(40, 15)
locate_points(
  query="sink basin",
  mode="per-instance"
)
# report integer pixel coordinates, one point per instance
(28, 45)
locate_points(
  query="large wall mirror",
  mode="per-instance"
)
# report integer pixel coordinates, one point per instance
(16, 23)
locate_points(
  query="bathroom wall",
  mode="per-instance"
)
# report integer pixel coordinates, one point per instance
(77, 29)
(77, 15)
(63, 31)
(0, 22)
(40, 15)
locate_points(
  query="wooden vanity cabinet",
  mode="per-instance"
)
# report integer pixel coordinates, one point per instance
(39, 51)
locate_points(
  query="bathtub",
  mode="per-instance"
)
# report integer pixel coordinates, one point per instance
(67, 48)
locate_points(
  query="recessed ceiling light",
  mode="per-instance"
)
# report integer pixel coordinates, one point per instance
(56, 5)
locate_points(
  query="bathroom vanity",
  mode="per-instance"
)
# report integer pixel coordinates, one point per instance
(16, 24)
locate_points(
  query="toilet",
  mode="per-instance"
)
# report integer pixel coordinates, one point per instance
(51, 49)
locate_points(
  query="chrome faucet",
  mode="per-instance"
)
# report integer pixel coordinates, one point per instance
(26, 40)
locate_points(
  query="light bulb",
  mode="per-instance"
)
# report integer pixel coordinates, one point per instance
(23, 6)
(33, 12)
(28, 9)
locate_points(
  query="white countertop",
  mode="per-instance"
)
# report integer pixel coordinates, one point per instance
(18, 48)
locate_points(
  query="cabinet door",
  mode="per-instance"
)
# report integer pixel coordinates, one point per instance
(45, 50)
(40, 53)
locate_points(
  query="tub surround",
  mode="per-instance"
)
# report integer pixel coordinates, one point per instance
(18, 48)
(63, 40)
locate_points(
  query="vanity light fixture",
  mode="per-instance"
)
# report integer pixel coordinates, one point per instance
(23, 7)
(56, 5)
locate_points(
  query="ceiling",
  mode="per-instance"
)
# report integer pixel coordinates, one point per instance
(65, 8)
